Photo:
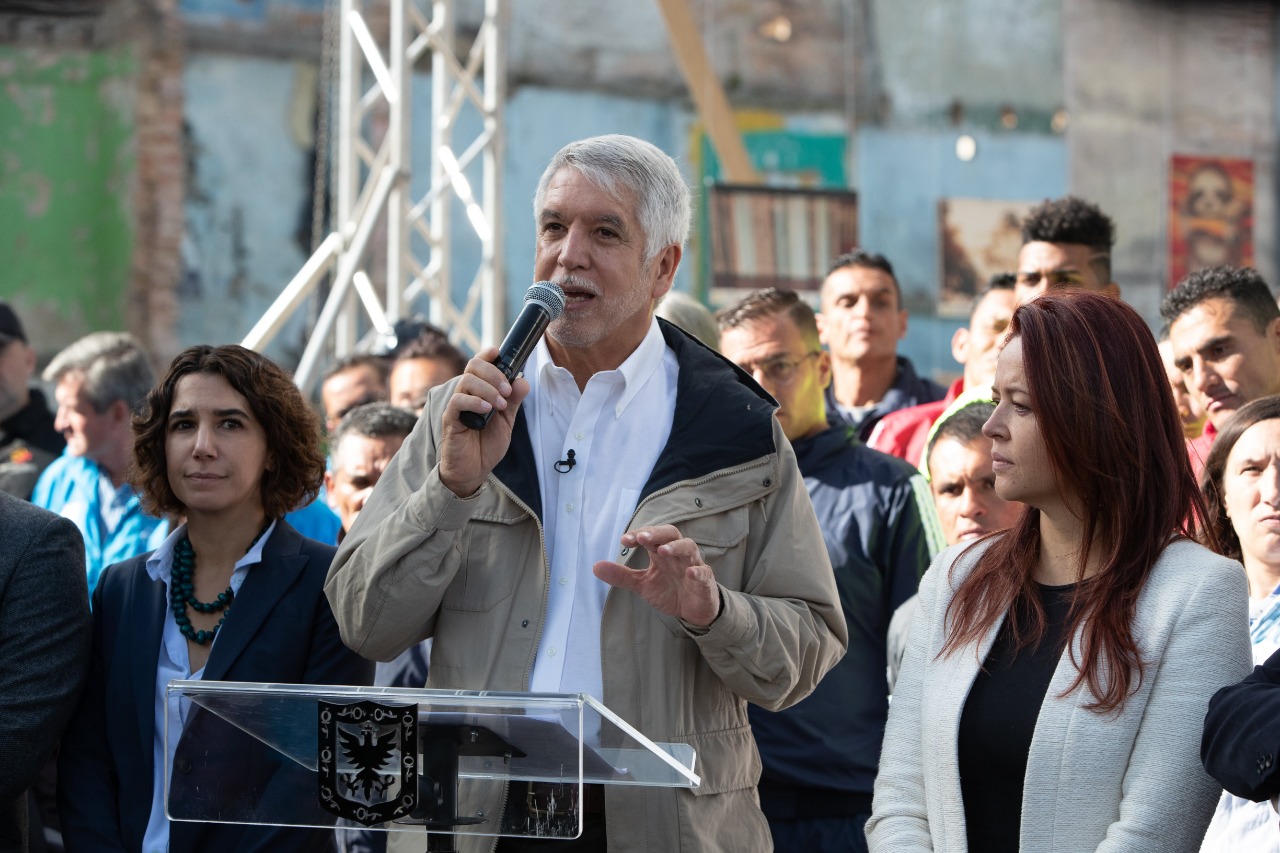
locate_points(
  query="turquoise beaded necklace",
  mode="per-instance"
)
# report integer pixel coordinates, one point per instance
(182, 591)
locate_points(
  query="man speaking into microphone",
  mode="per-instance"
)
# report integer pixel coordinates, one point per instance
(630, 523)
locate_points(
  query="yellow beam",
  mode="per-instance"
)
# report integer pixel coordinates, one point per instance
(708, 95)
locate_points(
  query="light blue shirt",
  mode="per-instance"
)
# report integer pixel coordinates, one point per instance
(174, 663)
(110, 519)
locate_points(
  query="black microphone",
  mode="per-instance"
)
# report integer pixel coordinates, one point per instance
(543, 302)
(564, 466)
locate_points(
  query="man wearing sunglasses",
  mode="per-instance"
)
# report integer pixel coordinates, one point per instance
(880, 529)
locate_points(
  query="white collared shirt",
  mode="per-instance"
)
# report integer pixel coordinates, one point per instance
(173, 662)
(616, 427)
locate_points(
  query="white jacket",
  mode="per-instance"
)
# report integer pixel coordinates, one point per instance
(1126, 782)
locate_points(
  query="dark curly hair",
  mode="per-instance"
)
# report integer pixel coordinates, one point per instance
(1241, 285)
(1072, 220)
(291, 426)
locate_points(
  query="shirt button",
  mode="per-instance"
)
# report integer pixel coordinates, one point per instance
(578, 435)
(568, 507)
(563, 581)
(551, 653)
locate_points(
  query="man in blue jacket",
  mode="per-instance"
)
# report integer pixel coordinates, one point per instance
(98, 381)
(880, 530)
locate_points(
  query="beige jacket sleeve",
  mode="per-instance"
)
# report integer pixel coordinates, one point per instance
(783, 628)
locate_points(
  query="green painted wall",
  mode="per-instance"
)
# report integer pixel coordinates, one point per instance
(66, 166)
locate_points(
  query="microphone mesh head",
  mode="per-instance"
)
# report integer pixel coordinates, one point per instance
(549, 295)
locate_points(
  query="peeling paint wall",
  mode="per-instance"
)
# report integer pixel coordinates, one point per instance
(66, 168)
(247, 186)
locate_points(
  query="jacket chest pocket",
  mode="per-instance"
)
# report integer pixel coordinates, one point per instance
(720, 538)
(494, 552)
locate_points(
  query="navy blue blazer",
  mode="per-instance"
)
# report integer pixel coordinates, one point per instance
(1241, 738)
(280, 629)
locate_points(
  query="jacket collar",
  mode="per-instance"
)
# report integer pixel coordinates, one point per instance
(282, 562)
(722, 419)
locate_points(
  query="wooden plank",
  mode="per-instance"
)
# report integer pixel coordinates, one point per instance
(708, 94)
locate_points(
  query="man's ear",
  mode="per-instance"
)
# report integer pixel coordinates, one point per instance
(664, 266)
(1273, 332)
(119, 411)
(824, 368)
(329, 484)
(960, 345)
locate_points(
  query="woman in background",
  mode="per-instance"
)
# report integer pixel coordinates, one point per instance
(1241, 485)
(227, 441)
(1056, 674)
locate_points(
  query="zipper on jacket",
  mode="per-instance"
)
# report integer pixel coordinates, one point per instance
(546, 574)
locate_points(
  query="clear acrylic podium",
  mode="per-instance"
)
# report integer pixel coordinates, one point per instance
(395, 760)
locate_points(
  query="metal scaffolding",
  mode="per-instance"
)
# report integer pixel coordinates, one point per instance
(372, 184)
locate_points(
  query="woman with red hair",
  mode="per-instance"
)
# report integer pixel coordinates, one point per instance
(1057, 674)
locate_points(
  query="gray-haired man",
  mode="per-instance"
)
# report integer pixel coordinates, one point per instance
(631, 524)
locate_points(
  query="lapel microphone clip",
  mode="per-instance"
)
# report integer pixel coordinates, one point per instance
(564, 466)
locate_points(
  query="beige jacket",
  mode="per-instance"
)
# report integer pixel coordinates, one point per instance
(472, 573)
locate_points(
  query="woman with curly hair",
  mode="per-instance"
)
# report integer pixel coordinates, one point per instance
(1057, 674)
(227, 442)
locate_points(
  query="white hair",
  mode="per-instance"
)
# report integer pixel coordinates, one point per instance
(614, 162)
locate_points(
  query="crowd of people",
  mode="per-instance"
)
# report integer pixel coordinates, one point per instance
(1016, 613)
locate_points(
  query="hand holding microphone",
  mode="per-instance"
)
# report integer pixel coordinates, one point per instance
(468, 451)
(543, 302)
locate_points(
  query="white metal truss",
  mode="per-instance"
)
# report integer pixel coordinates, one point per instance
(372, 184)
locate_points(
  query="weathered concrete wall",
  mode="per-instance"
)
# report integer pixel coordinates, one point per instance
(66, 175)
(247, 191)
(91, 172)
(1148, 80)
(1142, 80)
(979, 54)
(901, 178)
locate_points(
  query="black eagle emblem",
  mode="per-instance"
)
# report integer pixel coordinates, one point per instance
(369, 753)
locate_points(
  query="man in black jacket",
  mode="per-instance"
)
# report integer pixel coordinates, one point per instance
(44, 649)
(880, 530)
(28, 440)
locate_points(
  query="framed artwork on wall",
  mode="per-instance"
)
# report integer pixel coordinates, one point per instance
(776, 237)
(1210, 213)
(978, 238)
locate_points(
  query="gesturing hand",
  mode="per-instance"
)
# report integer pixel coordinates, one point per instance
(676, 581)
(468, 455)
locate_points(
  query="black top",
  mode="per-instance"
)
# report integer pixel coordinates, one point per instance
(998, 721)
(28, 443)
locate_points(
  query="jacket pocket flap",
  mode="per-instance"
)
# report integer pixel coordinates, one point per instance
(726, 760)
(719, 530)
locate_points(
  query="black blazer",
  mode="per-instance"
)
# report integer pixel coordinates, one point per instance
(280, 629)
(1241, 743)
(44, 648)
